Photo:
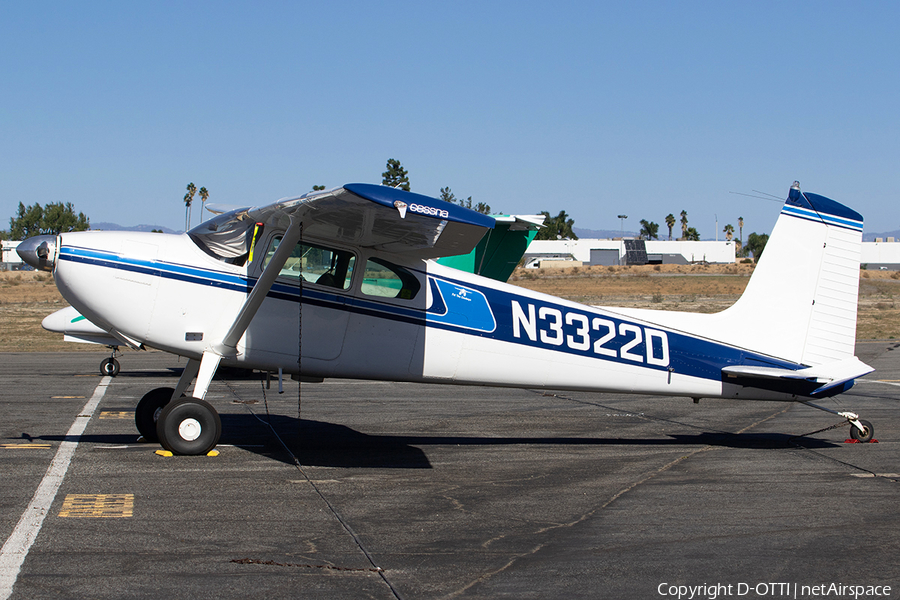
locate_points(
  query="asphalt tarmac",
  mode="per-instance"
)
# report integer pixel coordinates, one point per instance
(394, 490)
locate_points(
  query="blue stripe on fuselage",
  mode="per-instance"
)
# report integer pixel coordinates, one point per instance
(158, 269)
(555, 326)
(687, 355)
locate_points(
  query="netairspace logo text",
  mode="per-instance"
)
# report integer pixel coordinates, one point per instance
(796, 591)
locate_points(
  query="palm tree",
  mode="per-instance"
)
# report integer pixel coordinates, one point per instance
(187, 208)
(729, 231)
(649, 230)
(188, 199)
(684, 227)
(204, 196)
(741, 231)
(670, 223)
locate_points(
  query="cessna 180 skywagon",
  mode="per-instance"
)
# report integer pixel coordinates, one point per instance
(343, 283)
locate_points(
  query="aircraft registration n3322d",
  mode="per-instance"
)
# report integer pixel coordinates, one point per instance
(344, 283)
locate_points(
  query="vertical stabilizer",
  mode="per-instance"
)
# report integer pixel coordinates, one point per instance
(500, 250)
(801, 301)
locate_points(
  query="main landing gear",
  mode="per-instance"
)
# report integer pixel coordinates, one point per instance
(147, 412)
(181, 424)
(188, 426)
(860, 429)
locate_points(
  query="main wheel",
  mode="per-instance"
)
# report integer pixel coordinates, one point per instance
(189, 426)
(858, 435)
(147, 412)
(109, 366)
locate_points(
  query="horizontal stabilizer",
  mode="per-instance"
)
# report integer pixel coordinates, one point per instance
(766, 372)
(827, 377)
(76, 328)
(103, 340)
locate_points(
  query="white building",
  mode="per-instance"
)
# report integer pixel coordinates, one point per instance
(8, 256)
(877, 255)
(874, 255)
(615, 252)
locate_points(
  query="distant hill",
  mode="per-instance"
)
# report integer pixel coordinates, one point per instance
(115, 227)
(602, 234)
(870, 237)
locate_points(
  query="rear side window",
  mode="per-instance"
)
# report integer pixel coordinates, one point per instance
(316, 264)
(387, 280)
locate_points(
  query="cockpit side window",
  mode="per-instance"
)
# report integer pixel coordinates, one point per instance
(387, 280)
(315, 264)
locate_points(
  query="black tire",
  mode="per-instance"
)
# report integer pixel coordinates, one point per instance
(858, 435)
(110, 367)
(189, 426)
(147, 412)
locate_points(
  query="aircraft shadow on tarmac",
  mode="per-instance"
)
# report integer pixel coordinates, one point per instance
(319, 443)
(224, 374)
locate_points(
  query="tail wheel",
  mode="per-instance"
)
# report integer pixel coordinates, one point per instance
(147, 412)
(110, 367)
(860, 436)
(189, 426)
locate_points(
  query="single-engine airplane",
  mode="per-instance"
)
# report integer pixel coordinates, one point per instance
(344, 283)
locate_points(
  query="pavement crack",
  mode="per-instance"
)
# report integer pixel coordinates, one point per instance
(514, 559)
(272, 563)
(647, 477)
(485, 576)
(296, 462)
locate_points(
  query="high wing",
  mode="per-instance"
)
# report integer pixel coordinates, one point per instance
(365, 215)
(359, 214)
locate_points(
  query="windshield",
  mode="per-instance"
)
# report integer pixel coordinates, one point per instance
(225, 237)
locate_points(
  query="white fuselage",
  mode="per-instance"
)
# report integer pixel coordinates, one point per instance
(164, 292)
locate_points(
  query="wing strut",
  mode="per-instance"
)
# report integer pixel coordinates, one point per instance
(228, 346)
(262, 287)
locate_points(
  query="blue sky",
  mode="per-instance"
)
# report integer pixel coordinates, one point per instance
(597, 108)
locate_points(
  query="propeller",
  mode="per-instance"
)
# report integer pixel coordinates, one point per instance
(38, 251)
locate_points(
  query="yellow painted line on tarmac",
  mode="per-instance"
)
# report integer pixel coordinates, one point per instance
(56, 397)
(94, 506)
(884, 381)
(116, 414)
(25, 445)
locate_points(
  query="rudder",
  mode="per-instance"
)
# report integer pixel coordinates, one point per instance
(801, 301)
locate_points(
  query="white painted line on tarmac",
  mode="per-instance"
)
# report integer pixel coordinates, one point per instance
(16, 548)
(884, 381)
